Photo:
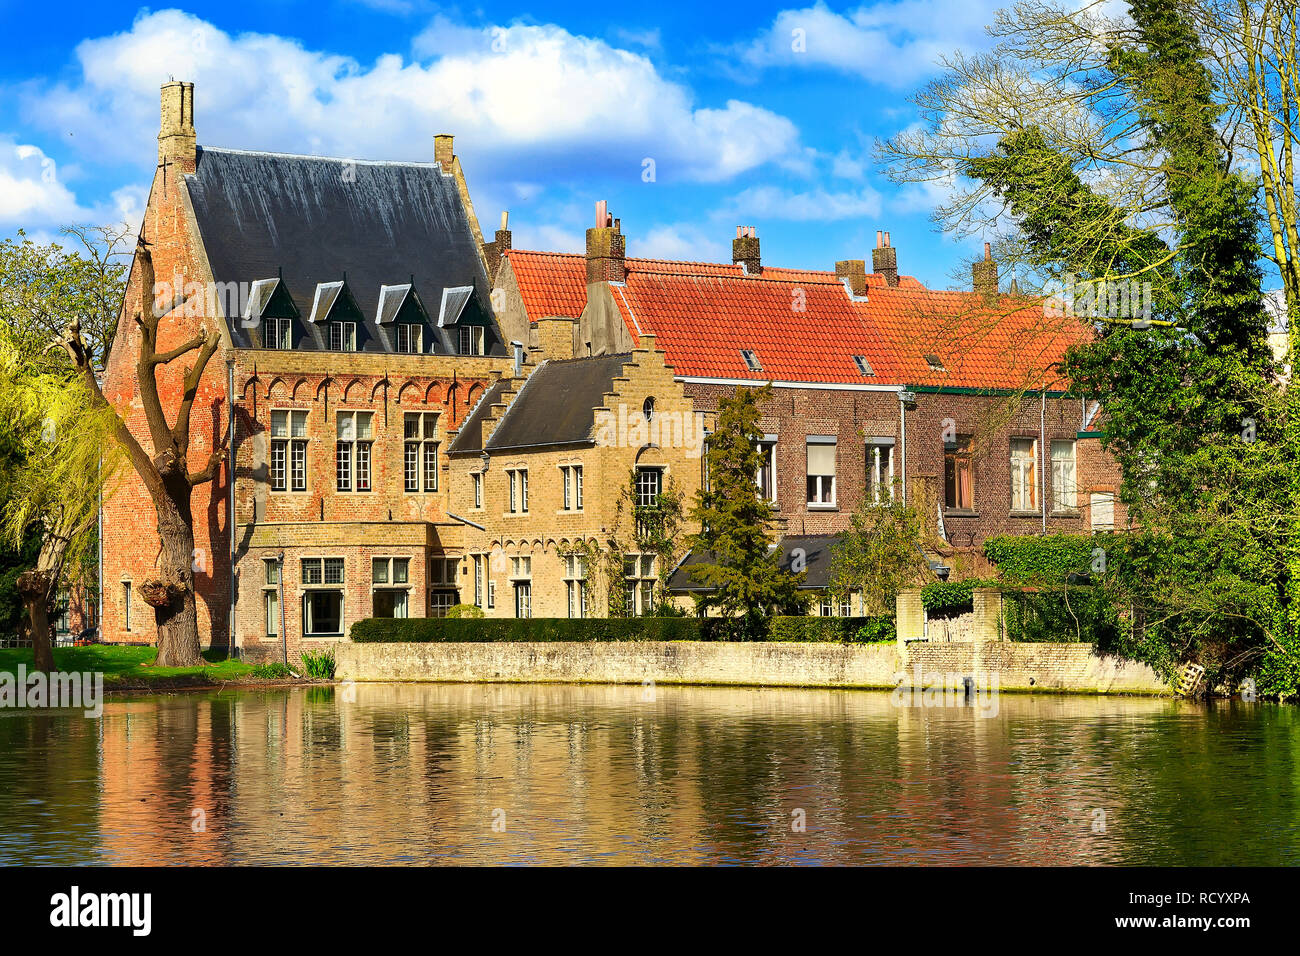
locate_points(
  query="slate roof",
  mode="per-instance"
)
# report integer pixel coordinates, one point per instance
(816, 550)
(470, 437)
(804, 327)
(312, 220)
(556, 404)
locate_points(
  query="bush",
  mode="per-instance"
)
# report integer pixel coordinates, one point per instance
(465, 610)
(273, 671)
(1064, 615)
(1042, 559)
(547, 629)
(826, 629)
(489, 630)
(319, 665)
(944, 598)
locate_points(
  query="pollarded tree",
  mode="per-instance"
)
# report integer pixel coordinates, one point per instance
(166, 473)
(739, 566)
(61, 459)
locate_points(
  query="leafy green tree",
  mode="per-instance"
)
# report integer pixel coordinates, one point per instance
(54, 482)
(879, 555)
(740, 566)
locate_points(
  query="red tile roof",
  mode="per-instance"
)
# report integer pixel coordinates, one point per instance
(804, 327)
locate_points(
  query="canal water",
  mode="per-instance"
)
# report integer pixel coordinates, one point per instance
(518, 774)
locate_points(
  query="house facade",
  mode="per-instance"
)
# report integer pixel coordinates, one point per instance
(357, 334)
(881, 386)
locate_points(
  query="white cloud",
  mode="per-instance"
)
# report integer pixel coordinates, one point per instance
(772, 202)
(893, 43)
(530, 101)
(679, 241)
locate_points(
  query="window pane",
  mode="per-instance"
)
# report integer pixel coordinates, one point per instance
(821, 459)
(343, 466)
(272, 572)
(299, 465)
(400, 570)
(430, 466)
(311, 571)
(279, 424)
(411, 466)
(379, 570)
(298, 422)
(278, 451)
(272, 613)
(347, 425)
(333, 570)
(363, 466)
(364, 425)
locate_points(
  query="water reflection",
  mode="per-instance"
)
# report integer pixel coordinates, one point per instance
(554, 774)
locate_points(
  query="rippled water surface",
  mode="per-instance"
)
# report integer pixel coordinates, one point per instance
(443, 773)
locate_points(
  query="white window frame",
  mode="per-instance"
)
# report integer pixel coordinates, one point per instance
(291, 450)
(879, 478)
(413, 333)
(767, 447)
(346, 335)
(1065, 488)
(823, 504)
(353, 457)
(416, 450)
(1023, 474)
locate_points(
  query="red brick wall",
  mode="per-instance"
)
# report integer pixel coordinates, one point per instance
(130, 535)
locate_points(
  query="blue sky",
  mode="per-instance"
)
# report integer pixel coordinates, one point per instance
(553, 108)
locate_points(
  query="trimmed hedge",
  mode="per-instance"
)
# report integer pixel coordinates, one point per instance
(952, 597)
(430, 630)
(1043, 558)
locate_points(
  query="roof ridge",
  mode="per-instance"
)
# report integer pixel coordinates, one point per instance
(324, 159)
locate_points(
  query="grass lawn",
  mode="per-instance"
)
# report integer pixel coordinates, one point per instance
(129, 665)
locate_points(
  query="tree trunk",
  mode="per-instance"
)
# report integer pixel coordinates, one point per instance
(34, 587)
(172, 593)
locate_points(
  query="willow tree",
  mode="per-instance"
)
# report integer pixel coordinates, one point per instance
(166, 472)
(52, 483)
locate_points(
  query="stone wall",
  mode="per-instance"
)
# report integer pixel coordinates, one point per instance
(1017, 667)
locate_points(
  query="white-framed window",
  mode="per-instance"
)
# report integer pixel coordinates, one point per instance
(479, 567)
(767, 468)
(476, 480)
(958, 474)
(821, 471)
(441, 601)
(572, 477)
(1101, 505)
(277, 333)
(521, 573)
(288, 465)
(518, 479)
(352, 451)
(575, 578)
(1065, 489)
(880, 472)
(271, 596)
(390, 593)
(639, 580)
(322, 599)
(491, 594)
(1024, 474)
(471, 340)
(409, 337)
(420, 451)
(751, 360)
(649, 484)
(342, 336)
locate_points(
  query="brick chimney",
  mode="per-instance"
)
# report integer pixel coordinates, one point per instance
(555, 337)
(884, 259)
(606, 253)
(984, 274)
(176, 140)
(744, 249)
(443, 151)
(855, 270)
(494, 250)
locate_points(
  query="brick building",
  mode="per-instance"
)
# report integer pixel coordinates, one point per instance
(554, 467)
(356, 335)
(881, 386)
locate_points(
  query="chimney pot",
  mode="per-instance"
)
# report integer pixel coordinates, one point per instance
(884, 259)
(505, 218)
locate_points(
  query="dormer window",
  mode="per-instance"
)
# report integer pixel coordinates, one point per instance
(751, 360)
(342, 336)
(471, 340)
(935, 363)
(409, 336)
(277, 333)
(863, 365)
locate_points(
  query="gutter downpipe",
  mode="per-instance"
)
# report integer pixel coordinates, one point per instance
(902, 435)
(1043, 454)
(230, 507)
(284, 637)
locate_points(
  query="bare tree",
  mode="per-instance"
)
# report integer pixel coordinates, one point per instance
(165, 473)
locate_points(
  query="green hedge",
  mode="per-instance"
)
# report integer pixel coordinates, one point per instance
(941, 598)
(490, 630)
(1044, 558)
